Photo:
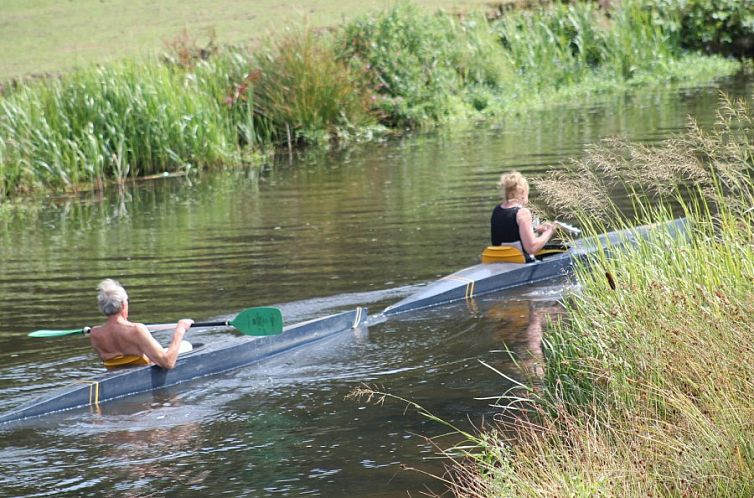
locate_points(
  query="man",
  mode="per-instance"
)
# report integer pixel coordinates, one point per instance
(120, 342)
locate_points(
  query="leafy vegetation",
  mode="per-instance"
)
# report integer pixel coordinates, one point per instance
(304, 92)
(111, 122)
(647, 383)
(402, 68)
(713, 25)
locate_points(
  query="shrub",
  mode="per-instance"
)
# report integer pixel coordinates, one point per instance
(725, 26)
(408, 58)
(301, 89)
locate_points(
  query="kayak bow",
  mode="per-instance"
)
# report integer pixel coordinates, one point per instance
(492, 277)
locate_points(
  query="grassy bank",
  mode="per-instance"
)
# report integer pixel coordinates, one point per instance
(48, 36)
(648, 384)
(403, 68)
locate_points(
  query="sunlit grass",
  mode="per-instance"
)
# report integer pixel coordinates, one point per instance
(304, 92)
(123, 119)
(403, 68)
(648, 384)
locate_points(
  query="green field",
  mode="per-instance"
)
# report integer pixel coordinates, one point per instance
(50, 36)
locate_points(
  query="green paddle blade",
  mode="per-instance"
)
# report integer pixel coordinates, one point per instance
(262, 320)
(57, 333)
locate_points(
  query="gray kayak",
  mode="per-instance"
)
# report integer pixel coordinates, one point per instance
(205, 360)
(492, 277)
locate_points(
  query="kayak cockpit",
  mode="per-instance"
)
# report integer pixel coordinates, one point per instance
(513, 254)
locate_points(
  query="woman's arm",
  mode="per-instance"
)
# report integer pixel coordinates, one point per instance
(532, 243)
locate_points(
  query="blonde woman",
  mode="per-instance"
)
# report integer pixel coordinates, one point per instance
(511, 222)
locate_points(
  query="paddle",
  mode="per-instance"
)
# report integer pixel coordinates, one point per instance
(262, 320)
(569, 228)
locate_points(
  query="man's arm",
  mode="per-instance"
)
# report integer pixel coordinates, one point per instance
(158, 355)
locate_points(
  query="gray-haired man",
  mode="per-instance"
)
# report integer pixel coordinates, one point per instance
(120, 342)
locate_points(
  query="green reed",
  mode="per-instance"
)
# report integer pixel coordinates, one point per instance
(304, 92)
(108, 122)
(648, 382)
(205, 106)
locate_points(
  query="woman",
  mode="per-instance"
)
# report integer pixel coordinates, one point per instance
(511, 222)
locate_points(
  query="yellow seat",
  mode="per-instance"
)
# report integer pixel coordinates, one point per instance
(129, 360)
(510, 254)
(502, 254)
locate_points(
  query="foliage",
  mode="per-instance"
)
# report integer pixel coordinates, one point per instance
(714, 25)
(647, 383)
(565, 45)
(408, 56)
(201, 105)
(301, 88)
(115, 121)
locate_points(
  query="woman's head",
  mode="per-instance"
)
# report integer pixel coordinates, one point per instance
(514, 187)
(111, 297)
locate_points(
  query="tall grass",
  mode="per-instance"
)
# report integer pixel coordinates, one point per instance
(403, 68)
(648, 384)
(109, 122)
(305, 92)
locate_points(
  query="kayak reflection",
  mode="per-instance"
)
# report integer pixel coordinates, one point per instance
(522, 325)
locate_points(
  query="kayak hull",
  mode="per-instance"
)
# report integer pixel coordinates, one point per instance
(485, 278)
(203, 361)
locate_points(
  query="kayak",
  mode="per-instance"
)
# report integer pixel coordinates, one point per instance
(492, 277)
(203, 360)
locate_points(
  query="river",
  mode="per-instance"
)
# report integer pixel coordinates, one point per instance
(314, 234)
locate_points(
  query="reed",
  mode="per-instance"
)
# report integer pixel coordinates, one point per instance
(113, 121)
(304, 92)
(647, 385)
(403, 68)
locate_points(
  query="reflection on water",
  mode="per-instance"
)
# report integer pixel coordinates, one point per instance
(323, 233)
(522, 324)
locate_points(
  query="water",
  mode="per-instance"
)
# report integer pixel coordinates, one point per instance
(316, 234)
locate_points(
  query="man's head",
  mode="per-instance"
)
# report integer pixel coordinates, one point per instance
(112, 298)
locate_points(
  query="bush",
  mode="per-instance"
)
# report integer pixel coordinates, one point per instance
(408, 58)
(725, 26)
(301, 88)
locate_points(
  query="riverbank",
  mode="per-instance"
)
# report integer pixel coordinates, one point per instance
(87, 33)
(647, 384)
(204, 106)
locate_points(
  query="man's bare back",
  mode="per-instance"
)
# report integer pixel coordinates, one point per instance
(118, 337)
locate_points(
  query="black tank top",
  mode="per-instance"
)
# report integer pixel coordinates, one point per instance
(504, 226)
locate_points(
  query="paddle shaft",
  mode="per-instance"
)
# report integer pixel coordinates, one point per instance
(263, 320)
(158, 327)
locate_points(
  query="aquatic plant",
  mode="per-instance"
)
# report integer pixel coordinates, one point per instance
(109, 122)
(304, 91)
(647, 383)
